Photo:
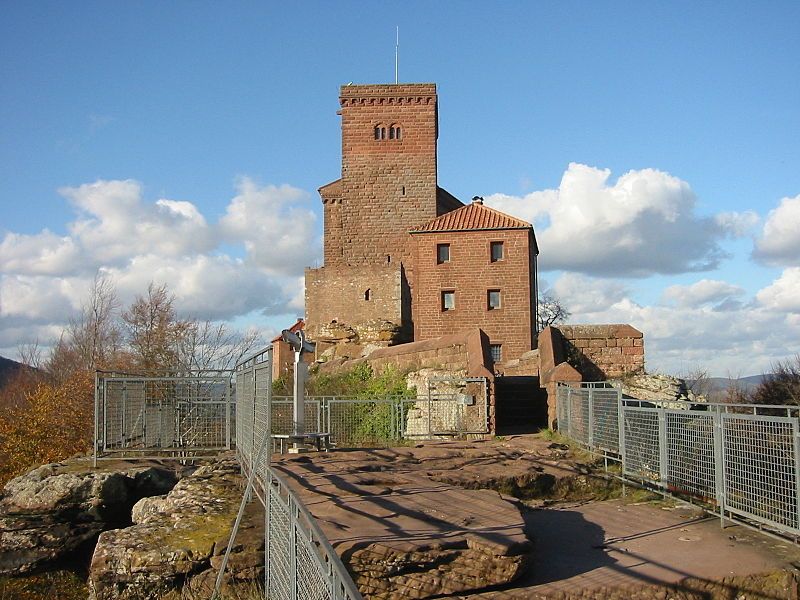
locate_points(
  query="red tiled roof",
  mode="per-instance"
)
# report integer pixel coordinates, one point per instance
(294, 329)
(474, 216)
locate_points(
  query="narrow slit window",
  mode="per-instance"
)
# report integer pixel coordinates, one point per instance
(397, 134)
(442, 253)
(391, 133)
(496, 251)
(368, 294)
(493, 300)
(377, 133)
(448, 300)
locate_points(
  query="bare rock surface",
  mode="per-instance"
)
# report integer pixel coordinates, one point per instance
(49, 512)
(178, 540)
(659, 388)
(425, 521)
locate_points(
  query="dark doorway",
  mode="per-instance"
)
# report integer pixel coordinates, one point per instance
(520, 405)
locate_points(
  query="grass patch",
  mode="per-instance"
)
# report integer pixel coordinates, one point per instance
(53, 585)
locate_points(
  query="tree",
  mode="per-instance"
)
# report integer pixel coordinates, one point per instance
(207, 345)
(782, 386)
(53, 422)
(154, 332)
(94, 335)
(551, 311)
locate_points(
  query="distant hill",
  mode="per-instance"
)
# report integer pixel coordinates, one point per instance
(7, 369)
(716, 388)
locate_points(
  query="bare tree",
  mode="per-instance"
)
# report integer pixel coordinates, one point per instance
(551, 311)
(782, 386)
(30, 354)
(95, 335)
(208, 345)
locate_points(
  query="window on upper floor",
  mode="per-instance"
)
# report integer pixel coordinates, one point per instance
(496, 251)
(368, 294)
(442, 253)
(380, 132)
(448, 300)
(497, 352)
(394, 132)
(492, 299)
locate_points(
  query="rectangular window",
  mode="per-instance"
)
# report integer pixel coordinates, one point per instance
(492, 299)
(497, 352)
(496, 251)
(448, 300)
(442, 253)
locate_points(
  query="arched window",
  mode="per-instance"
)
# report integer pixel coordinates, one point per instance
(391, 132)
(394, 132)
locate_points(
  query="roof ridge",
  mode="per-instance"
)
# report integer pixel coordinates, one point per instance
(472, 216)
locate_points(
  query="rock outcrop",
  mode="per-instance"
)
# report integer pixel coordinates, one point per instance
(178, 540)
(51, 511)
(421, 522)
(659, 389)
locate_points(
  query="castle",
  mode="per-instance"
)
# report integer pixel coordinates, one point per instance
(404, 256)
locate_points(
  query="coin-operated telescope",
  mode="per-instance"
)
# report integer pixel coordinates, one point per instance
(300, 346)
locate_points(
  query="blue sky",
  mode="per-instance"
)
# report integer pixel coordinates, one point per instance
(202, 130)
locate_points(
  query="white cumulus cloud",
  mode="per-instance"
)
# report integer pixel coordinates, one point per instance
(784, 293)
(705, 291)
(779, 241)
(275, 224)
(642, 224)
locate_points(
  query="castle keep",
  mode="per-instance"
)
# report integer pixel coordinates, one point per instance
(404, 257)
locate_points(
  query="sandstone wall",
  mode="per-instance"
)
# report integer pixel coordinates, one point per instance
(352, 296)
(470, 274)
(388, 185)
(604, 351)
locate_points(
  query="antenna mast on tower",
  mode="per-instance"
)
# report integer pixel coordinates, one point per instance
(396, 52)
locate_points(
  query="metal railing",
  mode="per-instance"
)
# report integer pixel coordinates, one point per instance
(741, 461)
(300, 563)
(183, 415)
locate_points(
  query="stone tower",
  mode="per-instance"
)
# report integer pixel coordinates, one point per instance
(388, 182)
(388, 186)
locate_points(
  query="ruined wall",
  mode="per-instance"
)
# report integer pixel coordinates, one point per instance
(471, 274)
(352, 295)
(604, 351)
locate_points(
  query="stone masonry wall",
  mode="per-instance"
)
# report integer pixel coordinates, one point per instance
(340, 294)
(471, 274)
(388, 185)
(604, 351)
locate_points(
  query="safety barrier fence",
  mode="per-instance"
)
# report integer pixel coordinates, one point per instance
(741, 461)
(300, 563)
(187, 414)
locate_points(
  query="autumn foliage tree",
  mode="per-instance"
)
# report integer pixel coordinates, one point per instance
(46, 414)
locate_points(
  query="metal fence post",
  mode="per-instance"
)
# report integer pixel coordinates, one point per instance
(590, 433)
(796, 460)
(719, 463)
(228, 440)
(621, 427)
(96, 418)
(293, 549)
(662, 447)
